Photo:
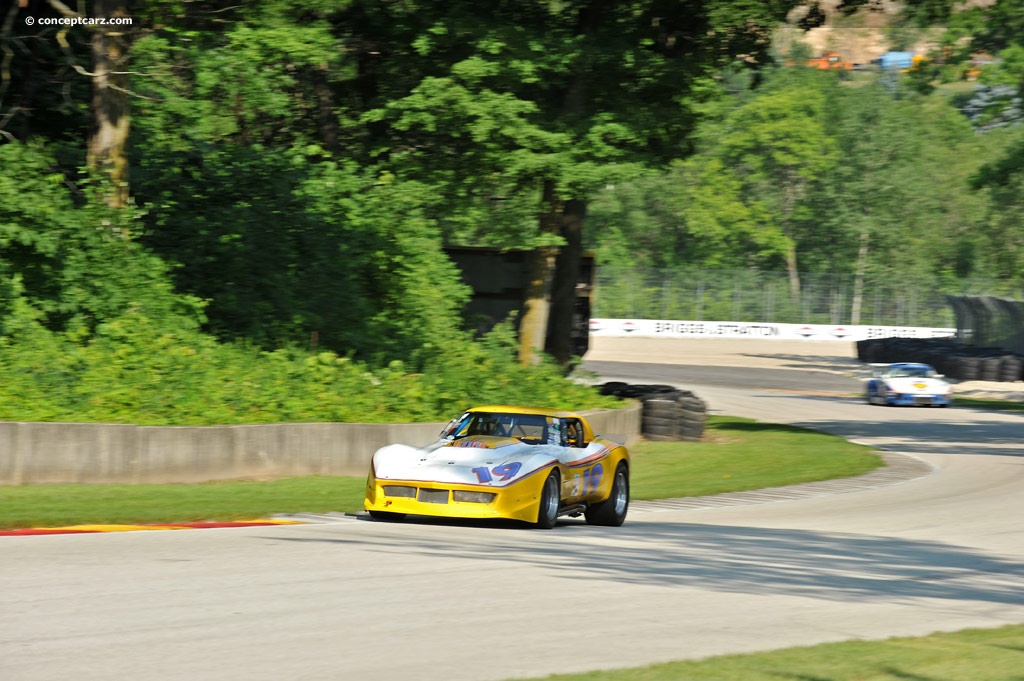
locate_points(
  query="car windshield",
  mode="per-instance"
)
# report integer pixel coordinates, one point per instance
(912, 372)
(525, 427)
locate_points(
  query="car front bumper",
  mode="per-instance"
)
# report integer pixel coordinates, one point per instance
(518, 501)
(917, 400)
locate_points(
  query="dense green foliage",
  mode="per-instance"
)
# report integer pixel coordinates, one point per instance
(134, 370)
(297, 168)
(840, 176)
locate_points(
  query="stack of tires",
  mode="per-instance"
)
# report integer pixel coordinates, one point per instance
(678, 416)
(669, 414)
(962, 362)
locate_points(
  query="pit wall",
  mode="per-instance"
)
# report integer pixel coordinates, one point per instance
(103, 453)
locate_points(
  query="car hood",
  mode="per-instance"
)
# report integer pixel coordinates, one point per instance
(911, 385)
(505, 461)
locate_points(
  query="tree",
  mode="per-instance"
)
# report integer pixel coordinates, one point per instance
(68, 255)
(1002, 233)
(110, 118)
(558, 100)
(777, 145)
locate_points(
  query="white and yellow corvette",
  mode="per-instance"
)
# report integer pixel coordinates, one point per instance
(532, 465)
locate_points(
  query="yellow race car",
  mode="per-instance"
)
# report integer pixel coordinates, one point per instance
(532, 465)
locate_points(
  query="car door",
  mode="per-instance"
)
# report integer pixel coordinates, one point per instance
(585, 465)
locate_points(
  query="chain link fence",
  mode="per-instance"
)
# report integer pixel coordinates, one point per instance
(757, 296)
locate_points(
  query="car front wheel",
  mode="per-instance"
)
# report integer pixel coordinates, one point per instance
(547, 511)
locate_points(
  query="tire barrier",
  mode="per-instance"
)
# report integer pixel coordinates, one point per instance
(962, 362)
(669, 414)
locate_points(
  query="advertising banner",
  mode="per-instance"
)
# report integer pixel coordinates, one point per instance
(661, 328)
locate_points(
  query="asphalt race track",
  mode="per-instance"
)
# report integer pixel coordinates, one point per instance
(725, 376)
(355, 599)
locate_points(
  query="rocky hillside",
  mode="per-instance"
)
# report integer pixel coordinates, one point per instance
(858, 38)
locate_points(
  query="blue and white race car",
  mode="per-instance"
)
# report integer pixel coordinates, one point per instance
(908, 384)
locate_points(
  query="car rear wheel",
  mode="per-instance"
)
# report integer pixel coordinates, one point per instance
(547, 510)
(612, 511)
(387, 516)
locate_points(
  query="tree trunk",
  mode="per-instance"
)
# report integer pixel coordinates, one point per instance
(563, 292)
(547, 325)
(533, 323)
(858, 281)
(110, 112)
(326, 118)
(794, 274)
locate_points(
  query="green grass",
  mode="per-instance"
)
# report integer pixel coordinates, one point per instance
(999, 405)
(737, 454)
(969, 655)
(740, 454)
(60, 505)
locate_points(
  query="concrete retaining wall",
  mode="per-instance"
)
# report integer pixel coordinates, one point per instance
(99, 453)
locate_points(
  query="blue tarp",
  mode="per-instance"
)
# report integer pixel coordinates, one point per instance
(896, 60)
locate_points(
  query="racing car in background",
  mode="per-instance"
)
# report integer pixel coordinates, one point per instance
(531, 465)
(908, 384)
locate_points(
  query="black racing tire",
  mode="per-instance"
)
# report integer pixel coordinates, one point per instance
(612, 511)
(692, 431)
(547, 508)
(692, 403)
(387, 516)
(613, 388)
(970, 368)
(1010, 369)
(659, 417)
(658, 388)
(660, 430)
(660, 405)
(643, 391)
(659, 421)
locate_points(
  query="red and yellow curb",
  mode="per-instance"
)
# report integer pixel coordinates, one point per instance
(88, 529)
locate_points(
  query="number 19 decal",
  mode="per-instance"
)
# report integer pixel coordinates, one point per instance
(503, 472)
(590, 482)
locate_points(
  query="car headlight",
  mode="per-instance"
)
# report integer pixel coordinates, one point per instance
(399, 491)
(474, 497)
